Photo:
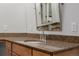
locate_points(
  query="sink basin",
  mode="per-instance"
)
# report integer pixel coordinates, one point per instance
(33, 41)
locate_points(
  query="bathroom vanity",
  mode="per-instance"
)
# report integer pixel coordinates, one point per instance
(20, 48)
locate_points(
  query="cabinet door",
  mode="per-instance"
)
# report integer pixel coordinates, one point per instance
(8, 48)
(8, 45)
(71, 52)
(21, 50)
(8, 52)
(2, 48)
(39, 53)
(14, 54)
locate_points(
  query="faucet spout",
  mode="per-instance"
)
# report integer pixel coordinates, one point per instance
(43, 37)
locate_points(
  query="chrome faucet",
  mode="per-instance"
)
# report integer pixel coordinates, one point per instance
(43, 37)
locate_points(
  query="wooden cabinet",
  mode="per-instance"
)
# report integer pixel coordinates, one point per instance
(14, 54)
(71, 52)
(8, 48)
(8, 52)
(2, 48)
(16, 49)
(39, 53)
(8, 45)
(21, 50)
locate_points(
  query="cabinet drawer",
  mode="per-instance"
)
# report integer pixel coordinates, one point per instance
(8, 52)
(14, 54)
(8, 45)
(39, 53)
(71, 52)
(21, 50)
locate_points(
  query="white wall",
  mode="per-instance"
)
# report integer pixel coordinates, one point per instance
(70, 14)
(21, 18)
(30, 18)
(12, 15)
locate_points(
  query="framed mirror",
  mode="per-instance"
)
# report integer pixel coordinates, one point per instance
(48, 16)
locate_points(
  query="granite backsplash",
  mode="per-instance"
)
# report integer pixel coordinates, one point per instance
(73, 39)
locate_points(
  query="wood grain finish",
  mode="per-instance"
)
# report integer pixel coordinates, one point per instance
(8, 45)
(8, 52)
(8, 48)
(71, 52)
(14, 54)
(39, 53)
(17, 50)
(21, 50)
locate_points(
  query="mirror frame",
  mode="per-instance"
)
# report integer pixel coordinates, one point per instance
(47, 27)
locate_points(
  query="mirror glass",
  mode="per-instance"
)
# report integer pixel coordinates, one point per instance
(48, 16)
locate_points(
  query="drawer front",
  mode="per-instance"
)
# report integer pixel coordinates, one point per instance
(39, 53)
(21, 50)
(8, 45)
(8, 52)
(72, 52)
(14, 54)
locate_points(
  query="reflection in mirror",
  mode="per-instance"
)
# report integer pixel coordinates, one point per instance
(48, 16)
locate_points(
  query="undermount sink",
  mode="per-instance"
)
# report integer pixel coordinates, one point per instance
(33, 41)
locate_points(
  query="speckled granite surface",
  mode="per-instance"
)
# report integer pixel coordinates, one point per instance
(65, 38)
(53, 47)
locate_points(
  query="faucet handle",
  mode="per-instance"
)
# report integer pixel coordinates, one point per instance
(43, 38)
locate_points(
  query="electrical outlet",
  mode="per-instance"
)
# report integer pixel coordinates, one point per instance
(5, 27)
(74, 27)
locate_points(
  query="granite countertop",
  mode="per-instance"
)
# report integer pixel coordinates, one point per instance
(54, 47)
